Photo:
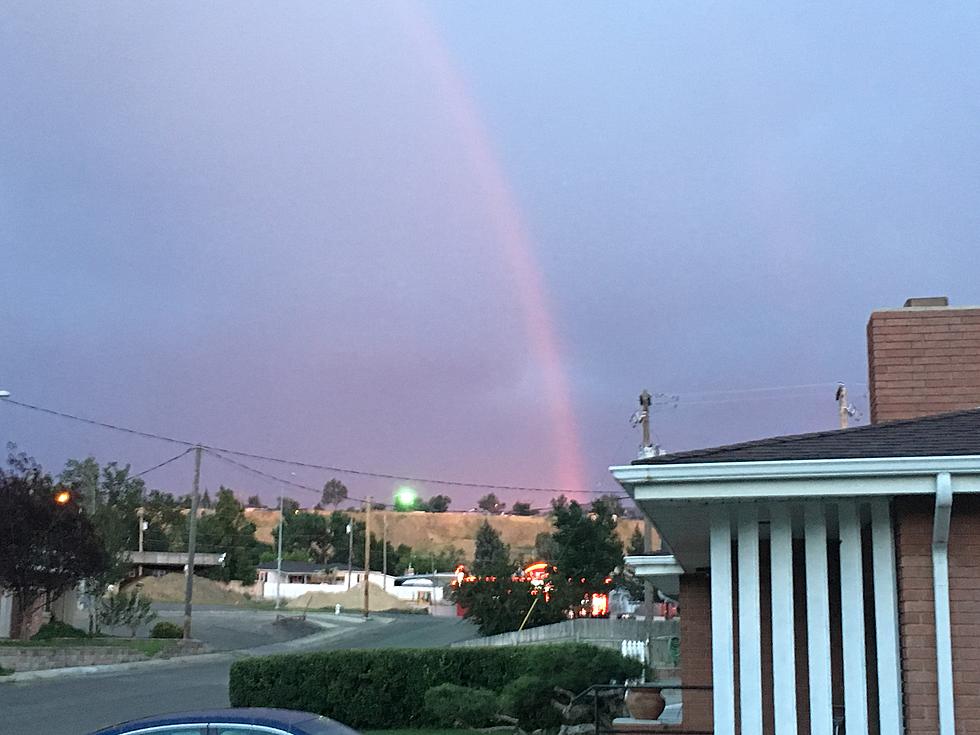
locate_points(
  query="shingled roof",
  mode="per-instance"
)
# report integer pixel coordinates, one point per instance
(942, 435)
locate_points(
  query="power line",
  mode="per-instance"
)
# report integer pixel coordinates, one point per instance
(769, 389)
(275, 478)
(293, 462)
(164, 463)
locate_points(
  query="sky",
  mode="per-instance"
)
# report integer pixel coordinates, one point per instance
(455, 240)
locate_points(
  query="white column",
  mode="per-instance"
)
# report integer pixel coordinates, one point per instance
(852, 619)
(886, 618)
(818, 620)
(940, 592)
(722, 643)
(783, 621)
(749, 622)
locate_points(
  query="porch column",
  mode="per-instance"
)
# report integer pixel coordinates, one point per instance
(852, 619)
(783, 621)
(818, 620)
(722, 643)
(749, 622)
(886, 618)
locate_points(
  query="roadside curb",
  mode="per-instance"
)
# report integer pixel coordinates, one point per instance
(329, 632)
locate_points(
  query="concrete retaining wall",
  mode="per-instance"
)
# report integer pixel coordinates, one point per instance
(599, 632)
(37, 658)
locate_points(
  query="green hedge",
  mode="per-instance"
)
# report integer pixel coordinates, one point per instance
(385, 688)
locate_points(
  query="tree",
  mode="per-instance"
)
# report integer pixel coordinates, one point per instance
(334, 492)
(123, 610)
(254, 501)
(586, 545)
(166, 523)
(491, 557)
(111, 502)
(289, 506)
(637, 544)
(226, 531)
(205, 500)
(613, 502)
(491, 504)
(501, 604)
(522, 509)
(438, 503)
(45, 547)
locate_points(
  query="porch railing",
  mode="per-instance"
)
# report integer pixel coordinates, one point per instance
(601, 728)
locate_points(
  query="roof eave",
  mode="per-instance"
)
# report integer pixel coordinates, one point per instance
(796, 478)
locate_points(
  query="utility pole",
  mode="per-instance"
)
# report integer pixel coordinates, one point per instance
(647, 450)
(142, 527)
(279, 554)
(350, 550)
(645, 403)
(842, 405)
(384, 549)
(191, 541)
(367, 555)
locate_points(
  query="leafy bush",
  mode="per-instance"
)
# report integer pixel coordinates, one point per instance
(126, 610)
(57, 629)
(528, 698)
(385, 688)
(163, 629)
(450, 705)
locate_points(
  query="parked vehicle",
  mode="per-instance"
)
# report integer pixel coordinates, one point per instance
(256, 721)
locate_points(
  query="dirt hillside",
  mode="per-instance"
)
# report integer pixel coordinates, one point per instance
(170, 588)
(352, 599)
(434, 531)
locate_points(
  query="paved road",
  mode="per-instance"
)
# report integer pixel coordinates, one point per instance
(77, 705)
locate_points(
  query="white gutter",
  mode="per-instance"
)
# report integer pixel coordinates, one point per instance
(794, 469)
(652, 566)
(724, 481)
(940, 581)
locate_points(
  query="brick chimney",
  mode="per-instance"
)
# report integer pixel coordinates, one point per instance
(923, 359)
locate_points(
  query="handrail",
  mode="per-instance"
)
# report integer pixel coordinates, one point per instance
(665, 728)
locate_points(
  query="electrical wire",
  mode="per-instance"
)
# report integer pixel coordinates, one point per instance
(292, 462)
(276, 478)
(164, 463)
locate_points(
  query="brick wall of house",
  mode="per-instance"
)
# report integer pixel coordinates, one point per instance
(922, 361)
(917, 622)
(695, 619)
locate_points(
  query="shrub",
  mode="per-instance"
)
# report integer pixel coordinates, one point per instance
(528, 698)
(385, 688)
(58, 629)
(450, 705)
(163, 629)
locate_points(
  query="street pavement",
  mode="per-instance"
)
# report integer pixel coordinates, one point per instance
(80, 704)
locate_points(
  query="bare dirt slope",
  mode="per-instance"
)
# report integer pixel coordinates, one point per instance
(352, 599)
(171, 587)
(434, 531)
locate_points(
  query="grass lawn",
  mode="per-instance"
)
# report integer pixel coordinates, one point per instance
(149, 646)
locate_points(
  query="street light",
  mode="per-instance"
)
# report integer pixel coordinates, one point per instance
(405, 498)
(4, 394)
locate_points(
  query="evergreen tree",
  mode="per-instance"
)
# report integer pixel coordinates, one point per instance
(491, 557)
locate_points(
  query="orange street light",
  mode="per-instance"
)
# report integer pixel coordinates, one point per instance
(62, 497)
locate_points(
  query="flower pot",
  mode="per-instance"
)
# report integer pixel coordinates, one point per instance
(645, 703)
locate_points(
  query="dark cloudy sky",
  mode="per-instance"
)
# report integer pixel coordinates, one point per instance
(457, 239)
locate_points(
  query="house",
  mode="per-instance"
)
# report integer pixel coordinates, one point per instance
(17, 623)
(832, 577)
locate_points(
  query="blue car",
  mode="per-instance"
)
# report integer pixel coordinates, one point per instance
(232, 722)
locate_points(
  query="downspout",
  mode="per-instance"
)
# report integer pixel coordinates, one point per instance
(940, 581)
